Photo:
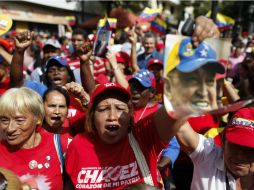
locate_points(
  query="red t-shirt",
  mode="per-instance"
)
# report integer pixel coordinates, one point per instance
(73, 62)
(101, 78)
(141, 113)
(47, 175)
(204, 123)
(159, 91)
(99, 66)
(76, 115)
(65, 135)
(94, 165)
(5, 85)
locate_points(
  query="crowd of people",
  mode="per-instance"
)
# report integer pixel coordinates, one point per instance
(72, 120)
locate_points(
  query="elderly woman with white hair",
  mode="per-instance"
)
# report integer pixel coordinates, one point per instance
(34, 156)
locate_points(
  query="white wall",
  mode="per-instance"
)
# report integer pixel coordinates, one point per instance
(57, 3)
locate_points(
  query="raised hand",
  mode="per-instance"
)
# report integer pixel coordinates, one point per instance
(84, 52)
(132, 36)
(76, 90)
(23, 40)
(111, 58)
(204, 28)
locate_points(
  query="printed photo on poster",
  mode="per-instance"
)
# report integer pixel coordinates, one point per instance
(190, 75)
(102, 41)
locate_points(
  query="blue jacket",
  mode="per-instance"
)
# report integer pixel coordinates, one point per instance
(143, 59)
(172, 151)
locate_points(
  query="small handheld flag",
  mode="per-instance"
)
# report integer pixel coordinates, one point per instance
(112, 23)
(148, 14)
(158, 25)
(71, 20)
(222, 21)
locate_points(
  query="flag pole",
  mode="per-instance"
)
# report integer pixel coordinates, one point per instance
(214, 10)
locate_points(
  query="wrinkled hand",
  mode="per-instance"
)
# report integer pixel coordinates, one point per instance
(204, 28)
(76, 90)
(111, 57)
(23, 40)
(84, 52)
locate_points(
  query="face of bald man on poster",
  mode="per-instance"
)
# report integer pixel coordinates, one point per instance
(190, 83)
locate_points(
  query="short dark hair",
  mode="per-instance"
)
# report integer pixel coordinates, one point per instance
(79, 31)
(149, 35)
(57, 89)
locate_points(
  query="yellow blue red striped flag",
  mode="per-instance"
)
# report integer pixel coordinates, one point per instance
(149, 14)
(223, 21)
(158, 25)
(71, 20)
(112, 22)
(103, 23)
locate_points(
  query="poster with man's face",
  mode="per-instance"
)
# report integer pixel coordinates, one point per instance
(102, 41)
(190, 75)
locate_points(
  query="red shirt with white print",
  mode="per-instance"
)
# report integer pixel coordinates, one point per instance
(91, 164)
(38, 167)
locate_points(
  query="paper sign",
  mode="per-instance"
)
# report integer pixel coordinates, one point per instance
(189, 75)
(101, 42)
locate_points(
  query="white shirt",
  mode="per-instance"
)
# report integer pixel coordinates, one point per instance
(209, 169)
(126, 47)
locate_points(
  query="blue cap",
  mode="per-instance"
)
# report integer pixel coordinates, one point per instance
(188, 59)
(145, 77)
(53, 59)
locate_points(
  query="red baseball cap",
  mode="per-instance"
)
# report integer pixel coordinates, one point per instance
(123, 57)
(240, 130)
(106, 87)
(153, 62)
(159, 46)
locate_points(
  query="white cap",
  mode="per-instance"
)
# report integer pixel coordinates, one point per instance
(53, 42)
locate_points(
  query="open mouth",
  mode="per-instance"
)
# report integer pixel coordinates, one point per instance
(112, 129)
(56, 119)
(201, 105)
(57, 80)
(135, 98)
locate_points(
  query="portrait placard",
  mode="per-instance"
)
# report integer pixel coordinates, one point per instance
(190, 75)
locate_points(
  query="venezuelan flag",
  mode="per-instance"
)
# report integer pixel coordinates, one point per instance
(71, 20)
(149, 14)
(112, 22)
(158, 25)
(223, 22)
(103, 24)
